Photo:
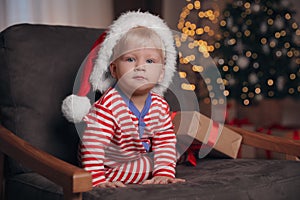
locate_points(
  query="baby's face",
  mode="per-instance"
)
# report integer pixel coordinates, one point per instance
(138, 71)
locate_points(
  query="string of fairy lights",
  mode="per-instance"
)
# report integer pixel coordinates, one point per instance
(190, 29)
(201, 39)
(255, 44)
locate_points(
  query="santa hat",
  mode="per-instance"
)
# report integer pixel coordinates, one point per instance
(96, 70)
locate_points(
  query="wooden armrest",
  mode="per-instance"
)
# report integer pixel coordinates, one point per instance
(73, 179)
(268, 142)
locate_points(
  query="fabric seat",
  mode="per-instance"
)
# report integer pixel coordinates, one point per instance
(210, 179)
(220, 179)
(32, 186)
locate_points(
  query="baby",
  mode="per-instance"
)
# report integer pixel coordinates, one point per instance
(129, 136)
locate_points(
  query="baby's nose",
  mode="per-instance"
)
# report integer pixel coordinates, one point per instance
(140, 66)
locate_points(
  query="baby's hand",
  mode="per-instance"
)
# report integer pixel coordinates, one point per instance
(111, 184)
(163, 180)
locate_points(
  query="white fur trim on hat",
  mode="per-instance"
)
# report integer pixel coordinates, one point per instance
(101, 79)
(75, 107)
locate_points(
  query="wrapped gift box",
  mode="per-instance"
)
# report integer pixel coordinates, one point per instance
(213, 136)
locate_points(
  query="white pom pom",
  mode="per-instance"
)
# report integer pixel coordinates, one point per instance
(75, 108)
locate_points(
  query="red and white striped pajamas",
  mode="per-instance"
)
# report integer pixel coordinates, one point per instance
(112, 149)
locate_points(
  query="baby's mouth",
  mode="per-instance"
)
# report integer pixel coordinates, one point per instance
(139, 78)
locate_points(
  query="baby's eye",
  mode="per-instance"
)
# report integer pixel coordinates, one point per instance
(130, 59)
(149, 61)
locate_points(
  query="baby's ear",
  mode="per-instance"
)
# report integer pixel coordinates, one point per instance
(112, 69)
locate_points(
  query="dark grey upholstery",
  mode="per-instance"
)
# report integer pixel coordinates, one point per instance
(38, 68)
(210, 179)
(32, 186)
(219, 179)
(38, 65)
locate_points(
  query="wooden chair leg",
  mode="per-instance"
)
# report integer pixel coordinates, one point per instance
(1, 176)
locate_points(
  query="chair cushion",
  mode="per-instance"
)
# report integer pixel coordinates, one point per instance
(38, 66)
(219, 179)
(32, 186)
(210, 179)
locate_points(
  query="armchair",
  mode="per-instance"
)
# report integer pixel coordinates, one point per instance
(38, 147)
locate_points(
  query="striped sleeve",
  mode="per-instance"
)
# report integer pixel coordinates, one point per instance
(164, 147)
(97, 135)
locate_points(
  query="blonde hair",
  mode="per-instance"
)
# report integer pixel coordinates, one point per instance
(137, 38)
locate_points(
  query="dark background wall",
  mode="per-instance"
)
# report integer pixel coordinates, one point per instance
(153, 6)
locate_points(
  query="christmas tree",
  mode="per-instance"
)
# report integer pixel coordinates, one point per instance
(258, 53)
(198, 23)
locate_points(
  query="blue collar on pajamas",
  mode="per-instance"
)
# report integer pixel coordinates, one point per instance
(138, 114)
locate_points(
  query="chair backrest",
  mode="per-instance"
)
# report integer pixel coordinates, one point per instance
(38, 66)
